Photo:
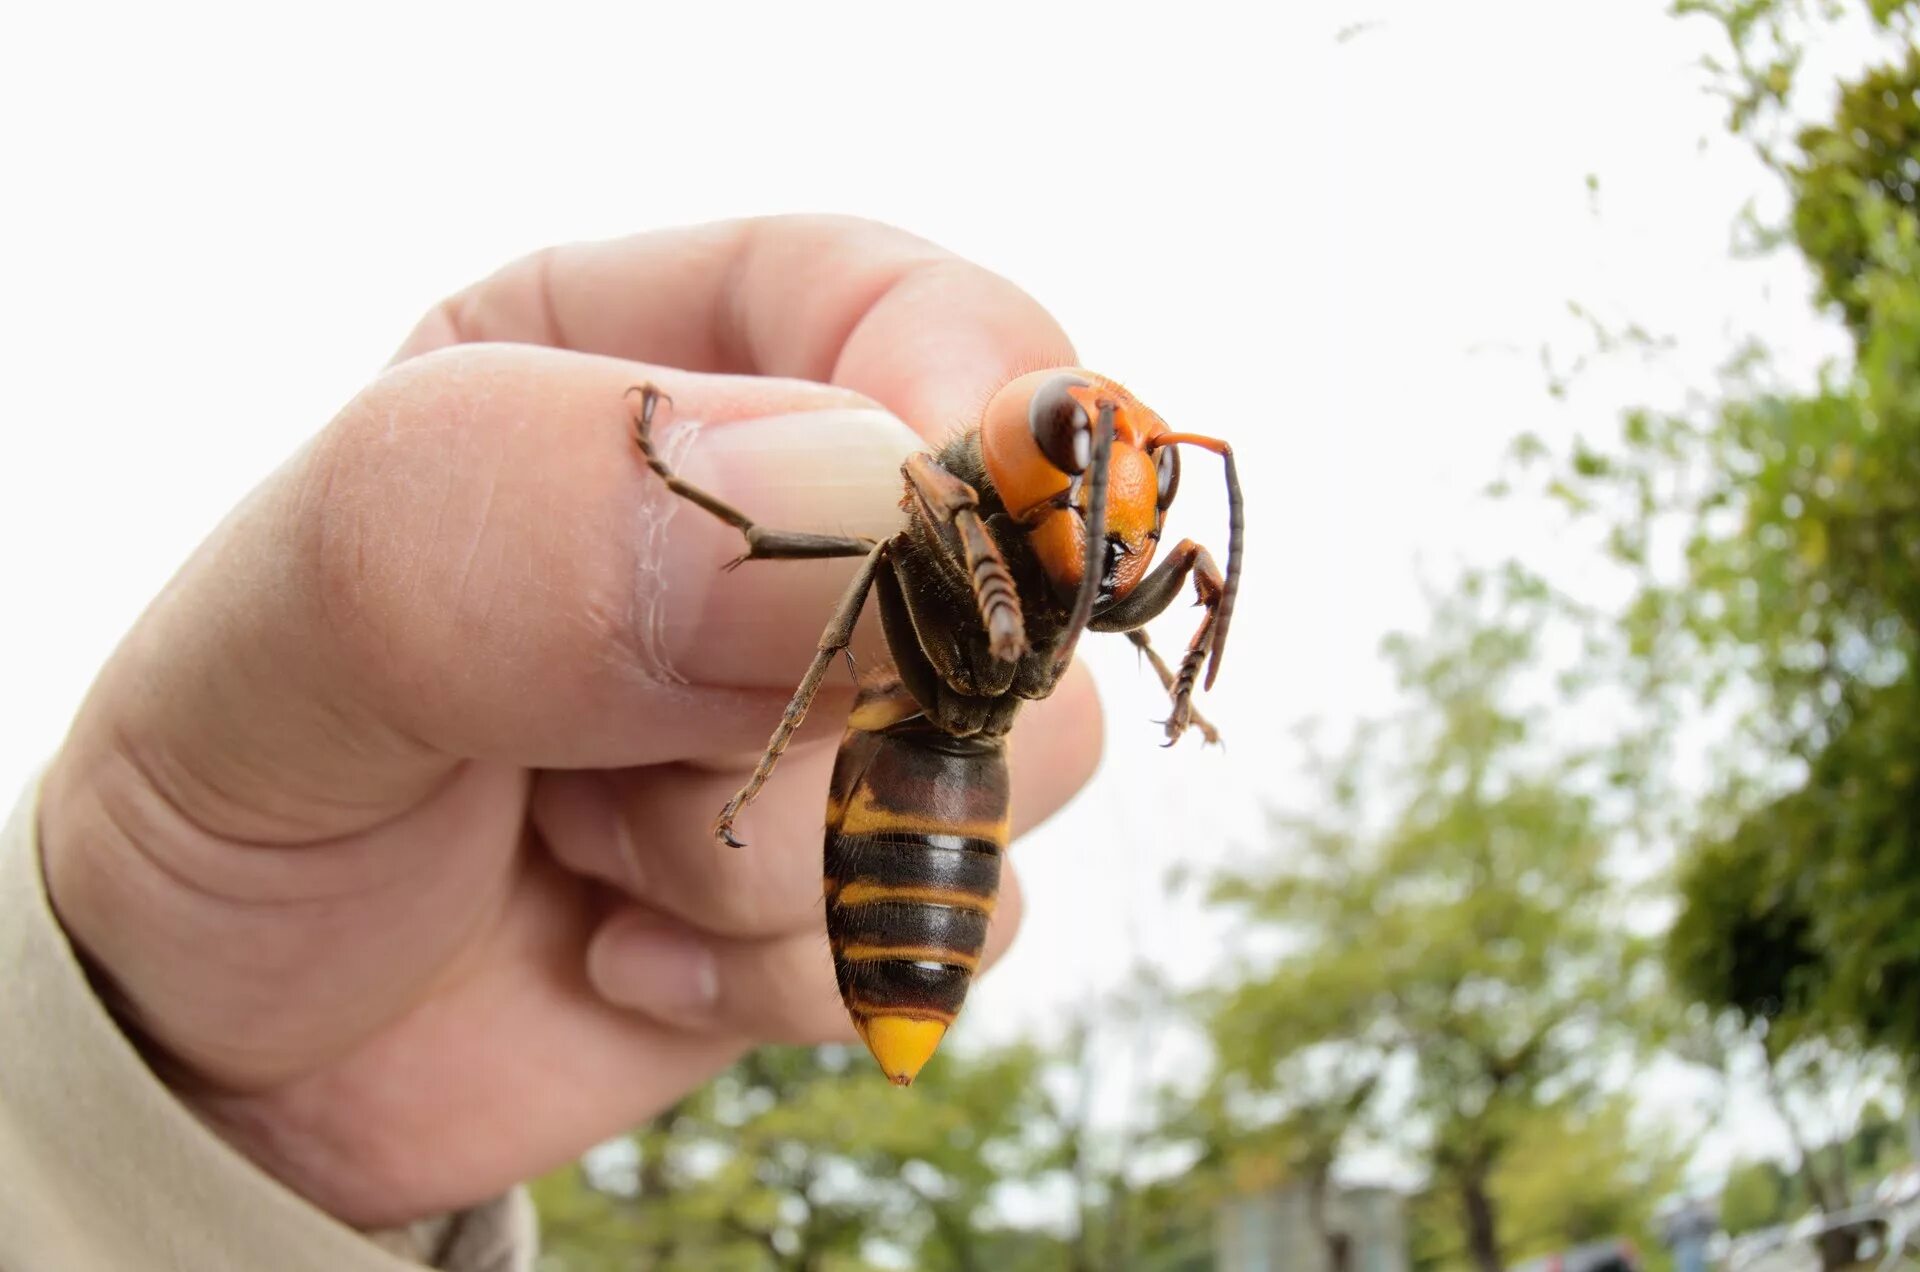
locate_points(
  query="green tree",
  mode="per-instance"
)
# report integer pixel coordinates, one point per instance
(1451, 916)
(1796, 602)
(1800, 589)
(1290, 1130)
(798, 1159)
(1147, 1183)
(1570, 1176)
(1855, 182)
(1757, 1195)
(1578, 1175)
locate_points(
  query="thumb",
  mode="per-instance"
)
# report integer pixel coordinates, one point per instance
(473, 562)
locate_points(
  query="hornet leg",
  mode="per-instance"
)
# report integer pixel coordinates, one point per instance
(838, 635)
(946, 499)
(1138, 636)
(1150, 599)
(763, 544)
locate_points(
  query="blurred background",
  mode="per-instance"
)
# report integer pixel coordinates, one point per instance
(1555, 902)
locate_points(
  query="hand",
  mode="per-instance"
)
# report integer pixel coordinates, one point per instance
(386, 830)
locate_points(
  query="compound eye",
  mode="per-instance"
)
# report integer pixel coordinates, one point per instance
(1167, 465)
(1060, 425)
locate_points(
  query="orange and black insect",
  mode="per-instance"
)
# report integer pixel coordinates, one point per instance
(1035, 525)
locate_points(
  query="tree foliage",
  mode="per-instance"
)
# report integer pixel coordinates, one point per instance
(1793, 600)
(1856, 181)
(797, 1159)
(1799, 591)
(1581, 1175)
(1758, 1194)
(1449, 916)
(1572, 1175)
(800, 1159)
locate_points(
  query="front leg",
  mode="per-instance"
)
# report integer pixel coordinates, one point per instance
(1138, 636)
(1150, 599)
(945, 499)
(837, 636)
(763, 544)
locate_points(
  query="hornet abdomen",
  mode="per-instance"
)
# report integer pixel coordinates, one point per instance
(916, 825)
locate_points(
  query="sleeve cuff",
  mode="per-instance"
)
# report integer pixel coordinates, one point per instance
(104, 1169)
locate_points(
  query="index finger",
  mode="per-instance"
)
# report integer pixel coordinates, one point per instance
(833, 299)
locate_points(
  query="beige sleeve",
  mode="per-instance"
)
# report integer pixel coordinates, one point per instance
(101, 1170)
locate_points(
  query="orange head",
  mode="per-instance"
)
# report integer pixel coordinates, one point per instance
(1037, 438)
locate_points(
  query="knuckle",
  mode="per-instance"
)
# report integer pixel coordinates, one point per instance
(458, 316)
(839, 225)
(497, 307)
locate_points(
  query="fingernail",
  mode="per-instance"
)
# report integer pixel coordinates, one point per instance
(646, 964)
(825, 472)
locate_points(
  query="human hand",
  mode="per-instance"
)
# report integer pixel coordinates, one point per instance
(386, 829)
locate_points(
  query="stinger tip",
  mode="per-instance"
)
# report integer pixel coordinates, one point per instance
(902, 1044)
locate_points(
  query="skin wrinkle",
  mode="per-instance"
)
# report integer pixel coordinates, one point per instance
(292, 1138)
(469, 958)
(169, 783)
(718, 355)
(462, 602)
(337, 541)
(911, 272)
(815, 368)
(612, 633)
(309, 522)
(543, 289)
(196, 840)
(469, 307)
(657, 509)
(726, 324)
(450, 316)
(122, 822)
(888, 287)
(346, 528)
(416, 578)
(486, 915)
(194, 890)
(305, 1105)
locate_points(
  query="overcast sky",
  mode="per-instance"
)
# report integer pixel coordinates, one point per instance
(1338, 233)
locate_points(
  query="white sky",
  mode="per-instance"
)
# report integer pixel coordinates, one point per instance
(1345, 256)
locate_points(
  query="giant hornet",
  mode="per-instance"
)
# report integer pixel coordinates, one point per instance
(1021, 533)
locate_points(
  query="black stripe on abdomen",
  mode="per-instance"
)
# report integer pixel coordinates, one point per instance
(899, 988)
(915, 931)
(902, 859)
